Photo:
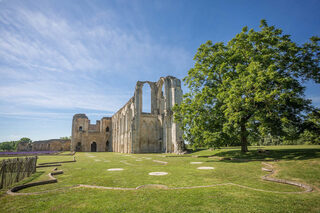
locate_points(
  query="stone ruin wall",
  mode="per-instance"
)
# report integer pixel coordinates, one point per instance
(84, 134)
(132, 131)
(137, 132)
(45, 145)
(129, 130)
(122, 128)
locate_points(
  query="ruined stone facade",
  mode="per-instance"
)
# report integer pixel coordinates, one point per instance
(88, 137)
(45, 145)
(130, 130)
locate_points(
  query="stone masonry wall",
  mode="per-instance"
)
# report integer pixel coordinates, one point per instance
(132, 131)
(88, 137)
(45, 145)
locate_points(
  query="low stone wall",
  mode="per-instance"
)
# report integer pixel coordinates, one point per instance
(20, 187)
(289, 182)
(46, 145)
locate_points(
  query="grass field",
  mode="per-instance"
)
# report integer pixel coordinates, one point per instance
(297, 163)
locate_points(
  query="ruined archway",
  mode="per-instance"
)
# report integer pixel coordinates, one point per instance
(133, 129)
(146, 98)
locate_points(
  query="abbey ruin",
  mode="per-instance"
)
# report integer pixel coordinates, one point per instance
(130, 130)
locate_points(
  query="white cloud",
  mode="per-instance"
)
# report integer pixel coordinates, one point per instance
(52, 62)
(63, 96)
(49, 115)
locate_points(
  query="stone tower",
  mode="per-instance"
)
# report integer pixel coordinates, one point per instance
(88, 137)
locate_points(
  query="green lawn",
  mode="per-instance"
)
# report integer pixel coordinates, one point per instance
(298, 163)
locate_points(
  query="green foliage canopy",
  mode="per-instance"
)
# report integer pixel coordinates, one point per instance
(248, 88)
(25, 140)
(65, 138)
(12, 145)
(311, 133)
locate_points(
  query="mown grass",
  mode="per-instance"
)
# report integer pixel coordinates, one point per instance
(300, 163)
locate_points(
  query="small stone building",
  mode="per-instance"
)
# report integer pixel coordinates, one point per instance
(87, 137)
(130, 130)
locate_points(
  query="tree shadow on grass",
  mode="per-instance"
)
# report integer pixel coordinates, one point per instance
(188, 153)
(279, 154)
(191, 151)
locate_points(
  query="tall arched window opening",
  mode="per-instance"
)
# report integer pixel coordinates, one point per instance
(146, 98)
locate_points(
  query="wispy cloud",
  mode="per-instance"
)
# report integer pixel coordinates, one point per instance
(51, 61)
(49, 115)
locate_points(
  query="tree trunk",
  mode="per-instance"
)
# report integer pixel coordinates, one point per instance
(244, 144)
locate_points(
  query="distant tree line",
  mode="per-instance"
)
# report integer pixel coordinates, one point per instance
(12, 145)
(65, 138)
(307, 133)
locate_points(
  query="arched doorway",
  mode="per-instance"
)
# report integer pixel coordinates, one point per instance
(78, 147)
(93, 147)
(107, 146)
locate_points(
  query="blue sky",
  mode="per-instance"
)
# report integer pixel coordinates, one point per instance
(58, 58)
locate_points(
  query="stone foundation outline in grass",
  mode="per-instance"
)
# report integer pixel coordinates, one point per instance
(272, 172)
(205, 167)
(158, 173)
(115, 169)
(52, 164)
(14, 190)
(307, 188)
(49, 163)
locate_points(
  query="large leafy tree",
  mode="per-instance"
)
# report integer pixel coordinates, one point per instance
(247, 88)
